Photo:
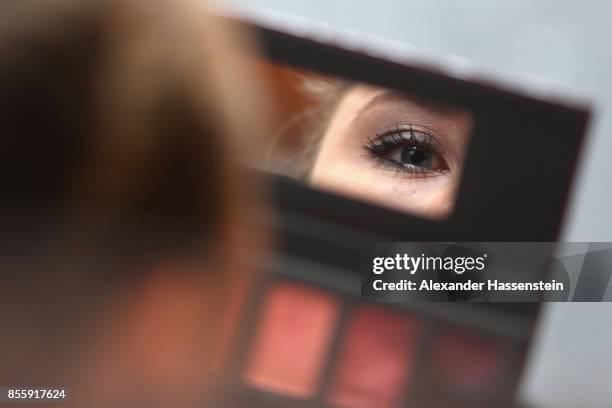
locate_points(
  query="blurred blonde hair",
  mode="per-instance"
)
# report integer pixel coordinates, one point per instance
(117, 149)
(323, 94)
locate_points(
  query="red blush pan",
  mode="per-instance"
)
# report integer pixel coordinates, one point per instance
(376, 359)
(290, 346)
(467, 362)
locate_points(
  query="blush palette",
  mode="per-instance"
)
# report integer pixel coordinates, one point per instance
(307, 339)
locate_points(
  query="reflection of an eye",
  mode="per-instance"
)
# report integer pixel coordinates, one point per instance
(408, 150)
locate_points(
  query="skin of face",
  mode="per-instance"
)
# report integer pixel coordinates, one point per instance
(345, 165)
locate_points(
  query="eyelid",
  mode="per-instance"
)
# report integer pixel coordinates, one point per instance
(415, 134)
(404, 133)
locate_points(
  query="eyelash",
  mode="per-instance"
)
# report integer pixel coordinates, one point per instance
(380, 147)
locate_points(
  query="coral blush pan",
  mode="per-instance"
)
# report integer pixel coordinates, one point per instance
(292, 340)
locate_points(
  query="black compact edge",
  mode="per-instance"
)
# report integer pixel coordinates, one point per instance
(514, 188)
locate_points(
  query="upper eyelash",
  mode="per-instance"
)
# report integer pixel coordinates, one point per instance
(390, 138)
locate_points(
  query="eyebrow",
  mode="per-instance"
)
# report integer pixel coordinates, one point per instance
(392, 95)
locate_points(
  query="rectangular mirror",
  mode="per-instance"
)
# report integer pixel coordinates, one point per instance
(367, 142)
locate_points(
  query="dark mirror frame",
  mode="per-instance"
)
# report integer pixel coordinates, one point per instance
(515, 183)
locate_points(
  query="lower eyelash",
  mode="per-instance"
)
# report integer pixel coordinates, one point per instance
(401, 169)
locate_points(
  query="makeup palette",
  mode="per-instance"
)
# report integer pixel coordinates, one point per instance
(306, 338)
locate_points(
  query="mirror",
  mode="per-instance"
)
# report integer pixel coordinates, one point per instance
(376, 144)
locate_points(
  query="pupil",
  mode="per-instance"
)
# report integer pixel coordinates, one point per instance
(415, 156)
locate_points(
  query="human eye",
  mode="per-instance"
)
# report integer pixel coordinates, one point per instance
(409, 150)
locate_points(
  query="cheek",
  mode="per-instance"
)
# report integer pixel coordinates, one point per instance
(433, 198)
(428, 197)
